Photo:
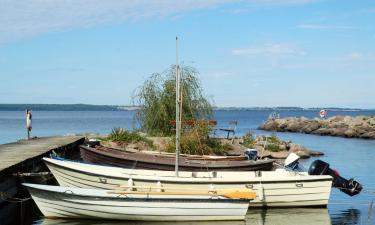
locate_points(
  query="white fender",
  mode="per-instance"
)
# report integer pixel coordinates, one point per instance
(130, 184)
(159, 187)
(261, 192)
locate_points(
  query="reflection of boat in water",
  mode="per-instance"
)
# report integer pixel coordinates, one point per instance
(108, 222)
(281, 216)
(291, 216)
(349, 216)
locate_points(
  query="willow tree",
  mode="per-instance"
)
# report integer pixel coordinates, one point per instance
(156, 99)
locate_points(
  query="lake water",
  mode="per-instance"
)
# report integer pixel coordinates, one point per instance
(351, 157)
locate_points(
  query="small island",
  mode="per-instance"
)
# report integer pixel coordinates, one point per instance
(342, 126)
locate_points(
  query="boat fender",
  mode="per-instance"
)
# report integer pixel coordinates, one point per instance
(211, 188)
(130, 184)
(261, 192)
(349, 187)
(159, 187)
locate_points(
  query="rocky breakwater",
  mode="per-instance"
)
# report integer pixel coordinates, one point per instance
(275, 148)
(343, 126)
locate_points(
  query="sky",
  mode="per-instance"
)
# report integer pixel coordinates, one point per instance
(250, 53)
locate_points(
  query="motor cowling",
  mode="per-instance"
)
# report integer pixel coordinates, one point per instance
(251, 154)
(91, 143)
(349, 187)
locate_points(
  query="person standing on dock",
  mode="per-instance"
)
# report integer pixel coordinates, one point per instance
(28, 123)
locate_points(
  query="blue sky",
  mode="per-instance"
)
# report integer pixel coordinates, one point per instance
(308, 53)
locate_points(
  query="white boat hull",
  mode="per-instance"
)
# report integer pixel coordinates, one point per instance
(274, 188)
(68, 202)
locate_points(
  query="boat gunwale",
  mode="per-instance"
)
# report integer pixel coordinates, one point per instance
(129, 197)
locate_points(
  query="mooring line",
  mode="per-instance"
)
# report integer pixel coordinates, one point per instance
(8, 198)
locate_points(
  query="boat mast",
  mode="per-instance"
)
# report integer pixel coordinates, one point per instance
(178, 102)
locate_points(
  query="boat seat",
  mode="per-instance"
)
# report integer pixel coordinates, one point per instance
(232, 125)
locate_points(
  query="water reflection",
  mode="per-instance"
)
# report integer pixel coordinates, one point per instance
(313, 216)
(348, 217)
(96, 222)
(307, 216)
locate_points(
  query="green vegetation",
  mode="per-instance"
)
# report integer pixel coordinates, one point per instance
(249, 140)
(196, 141)
(122, 135)
(156, 99)
(272, 147)
(274, 139)
(273, 143)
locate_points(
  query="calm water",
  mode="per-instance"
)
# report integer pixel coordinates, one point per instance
(351, 157)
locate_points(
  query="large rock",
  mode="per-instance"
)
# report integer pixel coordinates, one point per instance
(296, 147)
(311, 126)
(294, 127)
(279, 155)
(368, 135)
(262, 152)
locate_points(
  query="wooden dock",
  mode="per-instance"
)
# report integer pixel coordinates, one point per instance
(13, 154)
(25, 156)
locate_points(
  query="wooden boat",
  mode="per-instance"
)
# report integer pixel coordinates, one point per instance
(68, 202)
(278, 188)
(141, 160)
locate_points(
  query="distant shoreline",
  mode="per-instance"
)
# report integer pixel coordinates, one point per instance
(87, 107)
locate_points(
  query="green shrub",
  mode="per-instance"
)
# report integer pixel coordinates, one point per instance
(249, 140)
(274, 139)
(272, 147)
(119, 134)
(156, 101)
(196, 141)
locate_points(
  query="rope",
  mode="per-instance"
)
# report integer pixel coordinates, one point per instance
(8, 198)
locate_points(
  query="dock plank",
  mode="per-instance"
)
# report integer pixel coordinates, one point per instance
(17, 152)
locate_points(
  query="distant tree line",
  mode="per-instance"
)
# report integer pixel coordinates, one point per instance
(60, 107)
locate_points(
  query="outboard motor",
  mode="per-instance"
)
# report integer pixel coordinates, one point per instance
(91, 143)
(251, 154)
(292, 163)
(349, 187)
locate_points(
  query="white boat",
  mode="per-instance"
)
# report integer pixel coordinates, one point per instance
(280, 188)
(69, 202)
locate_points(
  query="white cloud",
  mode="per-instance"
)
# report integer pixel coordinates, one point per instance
(20, 19)
(283, 2)
(324, 27)
(356, 56)
(28, 18)
(269, 50)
